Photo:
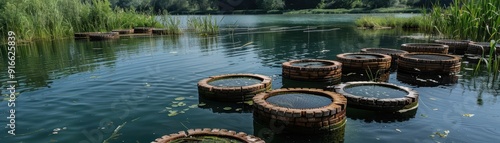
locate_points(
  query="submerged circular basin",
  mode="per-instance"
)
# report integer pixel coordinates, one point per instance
(425, 48)
(207, 135)
(233, 87)
(429, 63)
(235, 81)
(301, 108)
(378, 96)
(299, 100)
(313, 70)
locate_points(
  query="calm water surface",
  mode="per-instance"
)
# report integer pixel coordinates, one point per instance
(145, 87)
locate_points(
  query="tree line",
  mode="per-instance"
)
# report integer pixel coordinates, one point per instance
(230, 5)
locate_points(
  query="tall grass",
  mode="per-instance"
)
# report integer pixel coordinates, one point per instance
(478, 20)
(416, 22)
(53, 19)
(172, 24)
(205, 25)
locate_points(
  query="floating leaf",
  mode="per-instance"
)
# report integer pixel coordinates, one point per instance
(238, 109)
(227, 108)
(148, 85)
(432, 98)
(398, 130)
(193, 106)
(202, 104)
(172, 113)
(444, 134)
(181, 104)
(175, 105)
(182, 112)
(435, 109)
(175, 102)
(94, 76)
(423, 115)
(179, 98)
(168, 108)
(249, 102)
(468, 115)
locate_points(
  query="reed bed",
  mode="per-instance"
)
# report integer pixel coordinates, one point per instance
(416, 22)
(206, 25)
(55, 19)
(477, 20)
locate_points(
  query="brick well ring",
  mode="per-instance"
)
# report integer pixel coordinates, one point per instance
(233, 93)
(299, 120)
(425, 48)
(429, 63)
(394, 53)
(124, 31)
(191, 134)
(455, 46)
(104, 36)
(299, 70)
(356, 64)
(406, 102)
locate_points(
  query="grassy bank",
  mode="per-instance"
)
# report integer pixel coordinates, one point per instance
(54, 19)
(478, 21)
(416, 23)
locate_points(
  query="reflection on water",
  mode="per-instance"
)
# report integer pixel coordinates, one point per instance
(93, 88)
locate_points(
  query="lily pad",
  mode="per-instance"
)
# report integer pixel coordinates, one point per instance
(202, 104)
(227, 108)
(173, 113)
(179, 98)
(468, 115)
(249, 102)
(238, 109)
(444, 134)
(193, 106)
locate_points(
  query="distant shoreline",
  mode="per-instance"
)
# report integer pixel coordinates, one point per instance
(302, 11)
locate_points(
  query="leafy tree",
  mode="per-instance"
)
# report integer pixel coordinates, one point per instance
(271, 4)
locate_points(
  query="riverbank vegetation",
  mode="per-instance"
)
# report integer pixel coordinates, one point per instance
(475, 20)
(276, 6)
(37, 19)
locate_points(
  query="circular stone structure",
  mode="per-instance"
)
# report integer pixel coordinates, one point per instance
(378, 96)
(477, 48)
(124, 31)
(429, 63)
(313, 70)
(425, 48)
(233, 87)
(104, 36)
(394, 53)
(365, 66)
(455, 46)
(84, 35)
(209, 135)
(301, 110)
(143, 30)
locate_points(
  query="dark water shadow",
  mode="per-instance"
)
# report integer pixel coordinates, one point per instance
(274, 134)
(379, 117)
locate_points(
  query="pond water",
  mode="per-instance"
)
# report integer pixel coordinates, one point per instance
(235, 81)
(81, 92)
(311, 64)
(376, 91)
(299, 100)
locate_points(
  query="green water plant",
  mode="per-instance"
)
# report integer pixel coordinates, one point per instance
(478, 20)
(204, 25)
(171, 23)
(55, 19)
